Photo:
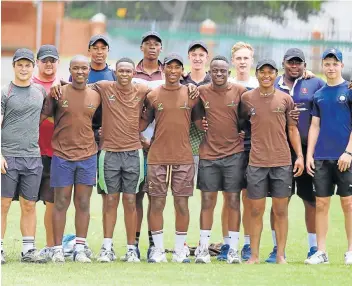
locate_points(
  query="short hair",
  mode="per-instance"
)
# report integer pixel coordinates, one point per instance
(331, 56)
(125, 60)
(197, 47)
(220, 58)
(241, 45)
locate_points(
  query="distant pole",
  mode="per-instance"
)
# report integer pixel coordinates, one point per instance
(39, 23)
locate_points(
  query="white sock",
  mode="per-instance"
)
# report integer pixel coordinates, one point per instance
(247, 239)
(234, 238)
(27, 243)
(131, 247)
(180, 239)
(158, 238)
(312, 240)
(227, 240)
(80, 243)
(205, 237)
(107, 243)
(273, 234)
(57, 247)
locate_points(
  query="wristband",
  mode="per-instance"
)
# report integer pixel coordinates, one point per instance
(348, 153)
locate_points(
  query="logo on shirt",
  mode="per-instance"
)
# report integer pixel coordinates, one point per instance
(252, 111)
(232, 104)
(91, 106)
(304, 90)
(342, 98)
(160, 106)
(279, 110)
(137, 98)
(111, 97)
(185, 106)
(206, 104)
(64, 103)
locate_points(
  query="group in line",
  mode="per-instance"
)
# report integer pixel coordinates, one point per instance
(147, 127)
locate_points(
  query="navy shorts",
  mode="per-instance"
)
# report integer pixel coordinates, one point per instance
(66, 173)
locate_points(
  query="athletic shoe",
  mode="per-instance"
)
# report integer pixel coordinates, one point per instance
(81, 256)
(246, 252)
(157, 255)
(224, 250)
(203, 255)
(181, 255)
(47, 252)
(106, 255)
(3, 261)
(58, 256)
(233, 257)
(319, 257)
(272, 256)
(150, 249)
(33, 256)
(88, 251)
(348, 258)
(130, 256)
(312, 251)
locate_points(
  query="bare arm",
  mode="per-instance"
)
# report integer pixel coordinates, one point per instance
(295, 140)
(344, 162)
(313, 135)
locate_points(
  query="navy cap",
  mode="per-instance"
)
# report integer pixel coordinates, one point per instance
(23, 54)
(47, 51)
(335, 52)
(266, 62)
(173, 57)
(151, 34)
(97, 38)
(198, 44)
(294, 53)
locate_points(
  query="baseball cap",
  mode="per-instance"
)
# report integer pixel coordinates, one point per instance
(23, 54)
(46, 51)
(266, 62)
(198, 43)
(97, 38)
(173, 57)
(335, 52)
(151, 34)
(294, 53)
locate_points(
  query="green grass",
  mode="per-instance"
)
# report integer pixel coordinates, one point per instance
(118, 273)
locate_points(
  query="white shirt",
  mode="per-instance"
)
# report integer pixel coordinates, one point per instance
(252, 82)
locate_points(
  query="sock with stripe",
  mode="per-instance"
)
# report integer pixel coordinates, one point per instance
(27, 243)
(180, 240)
(247, 239)
(80, 243)
(158, 238)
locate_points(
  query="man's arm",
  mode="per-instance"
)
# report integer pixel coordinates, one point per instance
(344, 162)
(295, 140)
(48, 108)
(147, 117)
(198, 116)
(313, 135)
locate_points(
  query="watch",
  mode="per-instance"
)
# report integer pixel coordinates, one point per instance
(349, 153)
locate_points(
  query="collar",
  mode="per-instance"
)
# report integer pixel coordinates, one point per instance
(206, 79)
(282, 85)
(104, 69)
(140, 69)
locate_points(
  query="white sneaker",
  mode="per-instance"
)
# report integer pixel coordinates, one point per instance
(157, 255)
(3, 261)
(47, 252)
(203, 255)
(233, 257)
(348, 258)
(58, 256)
(319, 257)
(181, 255)
(130, 256)
(106, 255)
(81, 256)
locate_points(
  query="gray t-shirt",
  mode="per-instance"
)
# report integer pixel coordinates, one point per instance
(21, 108)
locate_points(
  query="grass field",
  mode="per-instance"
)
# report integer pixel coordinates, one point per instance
(118, 273)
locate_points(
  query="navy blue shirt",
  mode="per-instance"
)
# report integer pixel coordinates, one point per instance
(302, 92)
(332, 104)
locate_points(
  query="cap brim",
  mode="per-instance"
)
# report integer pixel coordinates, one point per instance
(332, 54)
(198, 45)
(170, 60)
(149, 36)
(292, 57)
(48, 56)
(97, 40)
(266, 64)
(23, 58)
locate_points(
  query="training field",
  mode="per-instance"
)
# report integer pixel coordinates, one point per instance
(119, 273)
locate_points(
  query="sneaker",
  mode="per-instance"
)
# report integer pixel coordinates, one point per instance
(81, 256)
(157, 255)
(348, 258)
(319, 257)
(33, 256)
(233, 257)
(58, 256)
(130, 256)
(272, 256)
(88, 251)
(181, 255)
(312, 251)
(150, 249)
(203, 255)
(47, 252)
(106, 255)
(3, 261)
(246, 252)
(224, 250)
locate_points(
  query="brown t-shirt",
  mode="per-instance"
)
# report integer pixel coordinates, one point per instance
(73, 138)
(222, 113)
(121, 115)
(172, 110)
(269, 117)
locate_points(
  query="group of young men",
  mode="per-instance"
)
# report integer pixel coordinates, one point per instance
(147, 127)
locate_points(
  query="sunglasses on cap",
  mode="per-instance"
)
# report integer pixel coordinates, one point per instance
(48, 59)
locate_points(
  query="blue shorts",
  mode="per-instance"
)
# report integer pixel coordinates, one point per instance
(66, 173)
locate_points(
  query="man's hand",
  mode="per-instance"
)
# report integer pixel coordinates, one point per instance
(344, 162)
(350, 85)
(55, 91)
(145, 144)
(310, 165)
(204, 124)
(3, 165)
(308, 74)
(242, 134)
(299, 166)
(193, 91)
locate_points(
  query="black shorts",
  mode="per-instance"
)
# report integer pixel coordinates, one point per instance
(327, 175)
(46, 193)
(246, 160)
(262, 180)
(225, 174)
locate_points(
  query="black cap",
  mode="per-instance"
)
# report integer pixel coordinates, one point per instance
(198, 44)
(294, 53)
(47, 51)
(266, 62)
(173, 57)
(97, 38)
(23, 54)
(151, 34)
